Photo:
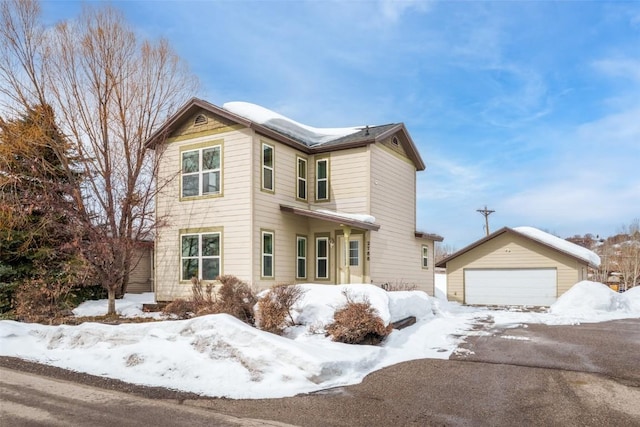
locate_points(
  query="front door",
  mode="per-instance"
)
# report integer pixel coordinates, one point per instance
(350, 265)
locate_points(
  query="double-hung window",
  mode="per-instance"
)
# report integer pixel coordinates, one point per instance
(200, 256)
(267, 167)
(301, 257)
(425, 256)
(201, 170)
(322, 179)
(302, 179)
(267, 254)
(322, 257)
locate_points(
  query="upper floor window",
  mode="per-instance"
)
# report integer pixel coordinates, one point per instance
(322, 179)
(302, 179)
(201, 171)
(425, 256)
(267, 167)
(200, 256)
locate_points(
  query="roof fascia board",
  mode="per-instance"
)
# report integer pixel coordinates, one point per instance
(428, 236)
(331, 218)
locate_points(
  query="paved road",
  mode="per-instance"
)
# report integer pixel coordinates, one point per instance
(585, 375)
(32, 400)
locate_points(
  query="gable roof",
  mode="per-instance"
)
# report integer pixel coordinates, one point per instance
(556, 243)
(304, 138)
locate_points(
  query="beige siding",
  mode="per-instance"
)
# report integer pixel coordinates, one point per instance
(231, 212)
(395, 252)
(141, 275)
(512, 251)
(349, 185)
(377, 179)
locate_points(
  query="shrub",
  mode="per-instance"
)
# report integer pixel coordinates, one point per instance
(201, 296)
(7, 296)
(78, 295)
(358, 323)
(39, 301)
(274, 310)
(235, 298)
(180, 308)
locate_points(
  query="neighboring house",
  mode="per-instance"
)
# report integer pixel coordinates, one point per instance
(141, 275)
(246, 192)
(516, 266)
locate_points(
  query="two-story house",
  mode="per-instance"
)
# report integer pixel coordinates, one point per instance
(247, 192)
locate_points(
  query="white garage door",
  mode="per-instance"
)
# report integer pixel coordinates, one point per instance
(536, 286)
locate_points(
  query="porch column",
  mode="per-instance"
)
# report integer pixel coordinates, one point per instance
(347, 264)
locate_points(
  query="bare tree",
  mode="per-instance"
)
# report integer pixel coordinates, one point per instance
(110, 91)
(443, 251)
(627, 256)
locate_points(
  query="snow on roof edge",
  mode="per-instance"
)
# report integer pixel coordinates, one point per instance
(357, 217)
(308, 134)
(560, 244)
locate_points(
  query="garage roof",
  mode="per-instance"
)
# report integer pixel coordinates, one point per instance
(539, 236)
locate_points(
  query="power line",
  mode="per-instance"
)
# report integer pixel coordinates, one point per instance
(486, 212)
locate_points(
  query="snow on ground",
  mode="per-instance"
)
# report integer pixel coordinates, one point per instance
(218, 355)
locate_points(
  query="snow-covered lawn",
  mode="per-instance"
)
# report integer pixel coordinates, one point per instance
(218, 355)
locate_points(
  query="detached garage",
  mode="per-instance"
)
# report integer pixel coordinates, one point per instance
(519, 266)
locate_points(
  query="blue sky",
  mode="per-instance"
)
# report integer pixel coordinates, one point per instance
(529, 108)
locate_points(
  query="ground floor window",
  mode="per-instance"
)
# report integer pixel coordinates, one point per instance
(200, 256)
(322, 257)
(267, 253)
(425, 256)
(301, 257)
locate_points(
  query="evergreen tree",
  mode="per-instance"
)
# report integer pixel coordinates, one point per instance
(40, 224)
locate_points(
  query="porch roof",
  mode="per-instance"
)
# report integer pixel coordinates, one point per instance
(335, 217)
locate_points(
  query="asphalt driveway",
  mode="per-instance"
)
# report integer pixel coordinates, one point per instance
(582, 375)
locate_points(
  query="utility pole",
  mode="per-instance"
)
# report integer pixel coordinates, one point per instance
(486, 212)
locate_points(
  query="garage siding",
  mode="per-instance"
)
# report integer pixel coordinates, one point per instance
(509, 250)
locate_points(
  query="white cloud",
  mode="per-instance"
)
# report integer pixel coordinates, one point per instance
(392, 10)
(446, 178)
(626, 68)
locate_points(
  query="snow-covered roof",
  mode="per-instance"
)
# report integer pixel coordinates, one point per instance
(311, 136)
(356, 217)
(540, 236)
(560, 244)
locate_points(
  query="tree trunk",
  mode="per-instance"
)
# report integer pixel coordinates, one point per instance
(111, 293)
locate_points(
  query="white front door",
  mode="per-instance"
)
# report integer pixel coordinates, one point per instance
(350, 265)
